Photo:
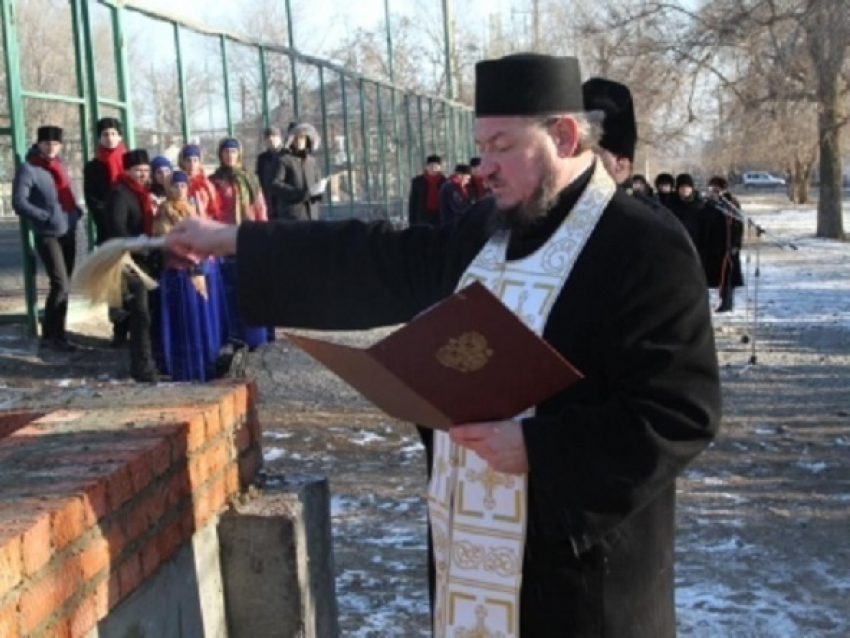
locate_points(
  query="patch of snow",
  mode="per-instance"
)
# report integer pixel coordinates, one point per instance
(272, 454)
(363, 438)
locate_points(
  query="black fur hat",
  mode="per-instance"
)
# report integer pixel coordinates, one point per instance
(49, 134)
(684, 179)
(527, 84)
(109, 122)
(433, 159)
(664, 178)
(463, 169)
(136, 157)
(619, 128)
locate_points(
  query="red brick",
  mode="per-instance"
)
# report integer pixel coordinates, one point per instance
(169, 539)
(156, 503)
(11, 561)
(37, 544)
(141, 470)
(217, 457)
(129, 575)
(179, 488)
(95, 505)
(218, 495)
(188, 524)
(161, 455)
(135, 521)
(196, 431)
(254, 427)
(201, 508)
(113, 591)
(116, 537)
(119, 488)
(82, 619)
(198, 471)
(101, 595)
(94, 558)
(150, 558)
(179, 446)
(66, 523)
(48, 594)
(226, 415)
(9, 620)
(59, 629)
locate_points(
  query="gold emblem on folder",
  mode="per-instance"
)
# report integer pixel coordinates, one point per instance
(467, 353)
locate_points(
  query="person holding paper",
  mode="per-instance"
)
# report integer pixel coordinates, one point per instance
(560, 521)
(297, 186)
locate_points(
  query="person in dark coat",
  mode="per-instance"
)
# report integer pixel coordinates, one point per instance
(130, 214)
(665, 189)
(423, 206)
(42, 195)
(689, 208)
(477, 187)
(588, 478)
(640, 185)
(297, 172)
(266, 167)
(723, 240)
(619, 139)
(454, 194)
(101, 172)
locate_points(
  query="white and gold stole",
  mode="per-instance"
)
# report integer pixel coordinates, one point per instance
(478, 515)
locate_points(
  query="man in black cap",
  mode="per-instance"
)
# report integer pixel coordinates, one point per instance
(454, 194)
(423, 204)
(689, 207)
(477, 187)
(570, 530)
(619, 139)
(101, 173)
(130, 214)
(42, 195)
(267, 160)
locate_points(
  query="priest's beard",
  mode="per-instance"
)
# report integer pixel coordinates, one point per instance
(535, 208)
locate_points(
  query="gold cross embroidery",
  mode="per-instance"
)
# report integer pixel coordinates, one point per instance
(480, 630)
(490, 480)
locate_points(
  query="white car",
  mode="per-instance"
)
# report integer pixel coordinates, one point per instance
(752, 180)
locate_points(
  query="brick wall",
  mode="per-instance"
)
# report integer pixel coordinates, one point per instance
(97, 489)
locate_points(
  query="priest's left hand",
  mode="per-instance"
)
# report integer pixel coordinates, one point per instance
(500, 443)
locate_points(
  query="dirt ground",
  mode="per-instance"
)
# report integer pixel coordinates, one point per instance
(763, 514)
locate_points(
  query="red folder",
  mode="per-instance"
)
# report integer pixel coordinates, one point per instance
(467, 359)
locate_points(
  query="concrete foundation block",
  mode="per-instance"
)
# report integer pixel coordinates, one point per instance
(277, 562)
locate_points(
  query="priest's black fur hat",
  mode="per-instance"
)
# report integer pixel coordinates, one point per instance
(619, 128)
(527, 84)
(109, 122)
(49, 134)
(136, 157)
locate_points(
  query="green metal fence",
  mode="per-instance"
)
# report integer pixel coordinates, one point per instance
(375, 134)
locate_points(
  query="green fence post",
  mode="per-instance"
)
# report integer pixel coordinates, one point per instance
(19, 145)
(382, 151)
(264, 86)
(364, 140)
(181, 84)
(290, 27)
(81, 56)
(422, 151)
(120, 48)
(411, 167)
(347, 146)
(431, 128)
(399, 174)
(326, 135)
(228, 109)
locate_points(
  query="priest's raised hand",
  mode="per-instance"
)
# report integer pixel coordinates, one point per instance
(195, 238)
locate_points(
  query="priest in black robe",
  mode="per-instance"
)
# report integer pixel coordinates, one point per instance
(601, 458)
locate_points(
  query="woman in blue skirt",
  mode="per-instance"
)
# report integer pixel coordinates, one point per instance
(190, 310)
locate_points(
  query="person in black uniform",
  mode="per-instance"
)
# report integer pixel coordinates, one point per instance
(131, 214)
(665, 189)
(619, 139)
(423, 206)
(689, 208)
(601, 458)
(724, 236)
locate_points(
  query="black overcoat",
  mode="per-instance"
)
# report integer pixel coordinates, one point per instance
(604, 454)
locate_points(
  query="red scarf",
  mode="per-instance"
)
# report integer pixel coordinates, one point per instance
(201, 188)
(144, 198)
(112, 158)
(457, 181)
(60, 179)
(432, 196)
